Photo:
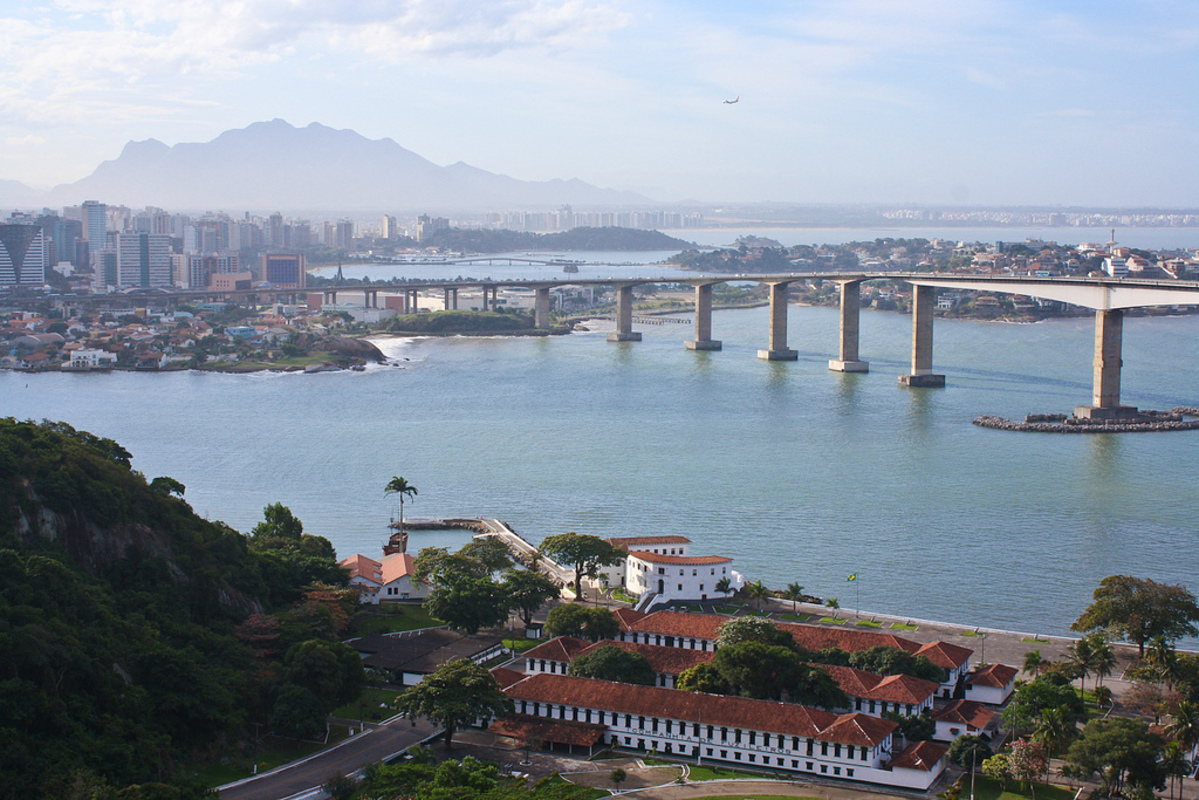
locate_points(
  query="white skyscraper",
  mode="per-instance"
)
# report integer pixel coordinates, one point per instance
(22, 255)
(143, 259)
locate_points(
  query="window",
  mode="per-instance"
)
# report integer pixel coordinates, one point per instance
(724, 754)
(809, 766)
(752, 757)
(824, 748)
(661, 570)
(824, 768)
(694, 573)
(680, 587)
(681, 573)
(752, 735)
(737, 736)
(836, 770)
(837, 750)
(737, 756)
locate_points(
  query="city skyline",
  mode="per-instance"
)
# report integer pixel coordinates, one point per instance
(981, 103)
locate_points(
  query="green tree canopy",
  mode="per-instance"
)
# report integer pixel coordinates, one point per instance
(739, 630)
(468, 604)
(490, 551)
(585, 553)
(703, 677)
(454, 696)
(612, 663)
(884, 660)
(1122, 752)
(1049, 691)
(1138, 609)
(527, 592)
(438, 565)
(583, 622)
(278, 523)
(969, 751)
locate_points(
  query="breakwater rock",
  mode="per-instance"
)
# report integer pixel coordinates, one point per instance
(1144, 422)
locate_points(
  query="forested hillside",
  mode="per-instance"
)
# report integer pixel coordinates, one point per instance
(137, 638)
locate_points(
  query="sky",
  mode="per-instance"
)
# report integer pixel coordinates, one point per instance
(937, 102)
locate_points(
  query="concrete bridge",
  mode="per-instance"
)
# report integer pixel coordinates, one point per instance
(1109, 297)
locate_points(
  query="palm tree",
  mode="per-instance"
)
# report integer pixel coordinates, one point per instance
(1103, 660)
(757, 592)
(724, 585)
(794, 593)
(1161, 659)
(401, 487)
(1080, 656)
(1052, 731)
(1174, 763)
(1184, 726)
(1034, 663)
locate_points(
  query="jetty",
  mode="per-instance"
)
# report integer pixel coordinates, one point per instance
(489, 528)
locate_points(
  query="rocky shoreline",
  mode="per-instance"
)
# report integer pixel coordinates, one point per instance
(1144, 422)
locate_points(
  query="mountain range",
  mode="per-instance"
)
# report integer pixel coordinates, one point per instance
(275, 166)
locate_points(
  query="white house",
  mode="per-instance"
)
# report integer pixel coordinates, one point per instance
(992, 684)
(670, 578)
(87, 358)
(389, 579)
(962, 718)
(616, 575)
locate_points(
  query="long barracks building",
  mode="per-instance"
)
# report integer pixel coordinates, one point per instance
(736, 730)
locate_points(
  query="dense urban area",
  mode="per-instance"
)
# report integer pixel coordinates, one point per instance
(105, 287)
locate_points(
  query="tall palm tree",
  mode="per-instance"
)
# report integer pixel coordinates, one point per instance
(401, 487)
(1080, 656)
(724, 586)
(794, 593)
(757, 592)
(1174, 763)
(1034, 663)
(1103, 659)
(1184, 726)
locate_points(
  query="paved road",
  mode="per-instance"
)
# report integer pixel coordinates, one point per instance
(345, 758)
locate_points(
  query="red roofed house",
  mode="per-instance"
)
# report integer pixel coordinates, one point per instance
(734, 730)
(964, 717)
(389, 579)
(992, 684)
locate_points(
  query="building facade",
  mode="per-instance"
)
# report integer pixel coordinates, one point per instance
(22, 255)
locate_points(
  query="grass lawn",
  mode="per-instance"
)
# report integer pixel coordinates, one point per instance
(275, 752)
(797, 617)
(1035, 640)
(558, 780)
(720, 774)
(974, 633)
(832, 620)
(521, 645)
(371, 698)
(727, 609)
(869, 623)
(904, 626)
(388, 618)
(987, 789)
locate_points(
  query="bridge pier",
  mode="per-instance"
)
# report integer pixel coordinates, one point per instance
(370, 298)
(778, 350)
(922, 375)
(541, 308)
(450, 299)
(330, 298)
(624, 316)
(703, 320)
(851, 312)
(1105, 394)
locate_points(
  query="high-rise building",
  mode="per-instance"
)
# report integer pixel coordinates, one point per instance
(284, 270)
(95, 224)
(390, 229)
(143, 259)
(22, 255)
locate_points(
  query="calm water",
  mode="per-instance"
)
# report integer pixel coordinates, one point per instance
(798, 473)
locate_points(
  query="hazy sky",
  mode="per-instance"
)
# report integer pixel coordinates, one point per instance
(930, 101)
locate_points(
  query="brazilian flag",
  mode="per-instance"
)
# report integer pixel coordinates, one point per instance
(852, 577)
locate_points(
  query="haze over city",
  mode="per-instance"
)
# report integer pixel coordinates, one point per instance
(936, 102)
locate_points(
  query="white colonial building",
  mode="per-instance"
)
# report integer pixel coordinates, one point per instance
(661, 570)
(388, 579)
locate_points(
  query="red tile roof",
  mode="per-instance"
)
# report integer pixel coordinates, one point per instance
(528, 728)
(680, 623)
(945, 655)
(737, 712)
(562, 648)
(658, 558)
(667, 660)
(506, 677)
(923, 756)
(997, 676)
(965, 712)
(627, 616)
(890, 689)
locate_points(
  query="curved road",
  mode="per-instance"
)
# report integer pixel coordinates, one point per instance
(344, 758)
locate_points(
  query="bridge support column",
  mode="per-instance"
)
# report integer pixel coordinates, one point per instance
(330, 298)
(703, 320)
(624, 316)
(541, 308)
(851, 312)
(454, 298)
(922, 375)
(1105, 396)
(778, 350)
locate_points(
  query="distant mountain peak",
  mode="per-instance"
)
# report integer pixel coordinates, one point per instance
(272, 165)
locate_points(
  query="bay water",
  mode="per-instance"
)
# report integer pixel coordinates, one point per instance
(797, 473)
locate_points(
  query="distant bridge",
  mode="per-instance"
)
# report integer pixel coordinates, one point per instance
(1109, 297)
